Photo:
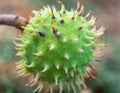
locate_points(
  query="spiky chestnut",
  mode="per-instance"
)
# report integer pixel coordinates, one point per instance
(56, 47)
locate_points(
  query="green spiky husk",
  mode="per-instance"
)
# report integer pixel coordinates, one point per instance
(56, 46)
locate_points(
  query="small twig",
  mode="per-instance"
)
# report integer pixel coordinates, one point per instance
(13, 20)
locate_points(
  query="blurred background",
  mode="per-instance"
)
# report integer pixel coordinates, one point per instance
(108, 15)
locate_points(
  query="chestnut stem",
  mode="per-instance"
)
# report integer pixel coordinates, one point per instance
(13, 20)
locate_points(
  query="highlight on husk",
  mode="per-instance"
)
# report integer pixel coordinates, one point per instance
(57, 46)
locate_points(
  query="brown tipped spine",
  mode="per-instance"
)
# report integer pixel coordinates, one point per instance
(56, 32)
